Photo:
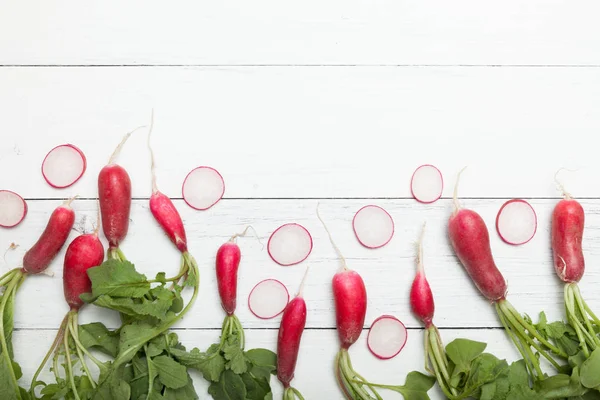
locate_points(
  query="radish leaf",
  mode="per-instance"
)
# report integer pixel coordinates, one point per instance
(118, 279)
(230, 387)
(171, 374)
(590, 370)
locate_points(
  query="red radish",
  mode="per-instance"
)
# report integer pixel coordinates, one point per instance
(227, 263)
(373, 226)
(290, 244)
(516, 222)
(568, 221)
(63, 166)
(203, 187)
(387, 337)
(39, 256)
(84, 252)
(13, 209)
(291, 328)
(421, 297)
(427, 184)
(268, 299)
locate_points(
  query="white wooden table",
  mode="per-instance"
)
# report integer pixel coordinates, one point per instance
(296, 103)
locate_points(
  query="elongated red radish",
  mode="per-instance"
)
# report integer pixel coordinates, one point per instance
(13, 209)
(63, 166)
(516, 222)
(387, 337)
(373, 226)
(427, 184)
(290, 244)
(268, 299)
(291, 328)
(84, 252)
(227, 264)
(203, 187)
(421, 297)
(39, 256)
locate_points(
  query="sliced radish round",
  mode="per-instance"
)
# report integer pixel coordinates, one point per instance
(516, 222)
(63, 166)
(203, 187)
(427, 184)
(290, 244)
(12, 209)
(268, 299)
(387, 337)
(373, 226)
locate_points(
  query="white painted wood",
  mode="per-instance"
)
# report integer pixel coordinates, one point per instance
(312, 32)
(309, 132)
(388, 272)
(314, 373)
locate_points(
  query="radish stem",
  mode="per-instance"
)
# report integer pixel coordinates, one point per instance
(9, 295)
(70, 366)
(51, 351)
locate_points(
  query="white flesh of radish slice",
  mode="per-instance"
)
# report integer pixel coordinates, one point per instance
(516, 222)
(12, 209)
(63, 166)
(202, 188)
(290, 244)
(373, 226)
(427, 184)
(387, 336)
(268, 299)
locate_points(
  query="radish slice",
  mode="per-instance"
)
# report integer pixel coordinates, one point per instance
(268, 299)
(426, 184)
(203, 187)
(290, 244)
(516, 222)
(387, 337)
(373, 226)
(12, 209)
(63, 166)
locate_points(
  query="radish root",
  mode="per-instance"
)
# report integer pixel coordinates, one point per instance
(301, 289)
(120, 145)
(337, 250)
(559, 184)
(244, 232)
(455, 196)
(152, 162)
(70, 200)
(420, 249)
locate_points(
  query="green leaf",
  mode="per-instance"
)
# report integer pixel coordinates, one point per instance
(229, 387)
(8, 321)
(517, 374)
(119, 389)
(185, 393)
(415, 387)
(461, 353)
(143, 307)
(171, 374)
(8, 390)
(256, 388)
(235, 357)
(211, 364)
(560, 386)
(161, 277)
(262, 358)
(97, 336)
(521, 392)
(261, 372)
(117, 279)
(590, 370)
(485, 368)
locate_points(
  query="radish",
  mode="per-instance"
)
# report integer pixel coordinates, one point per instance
(291, 328)
(13, 209)
(470, 240)
(63, 166)
(350, 298)
(516, 222)
(203, 187)
(427, 184)
(290, 244)
(387, 337)
(268, 299)
(373, 226)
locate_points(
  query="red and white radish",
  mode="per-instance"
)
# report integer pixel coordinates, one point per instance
(427, 184)
(373, 226)
(84, 252)
(13, 209)
(227, 264)
(268, 299)
(421, 296)
(387, 337)
(516, 222)
(290, 244)
(63, 166)
(203, 187)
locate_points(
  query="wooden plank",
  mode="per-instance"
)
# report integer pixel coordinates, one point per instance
(388, 272)
(314, 374)
(387, 32)
(309, 132)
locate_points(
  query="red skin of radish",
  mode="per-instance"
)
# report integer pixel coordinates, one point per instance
(53, 238)
(567, 233)
(227, 263)
(288, 342)
(114, 192)
(168, 217)
(350, 296)
(421, 299)
(84, 252)
(471, 242)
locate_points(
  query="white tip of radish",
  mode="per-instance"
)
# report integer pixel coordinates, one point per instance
(63, 166)
(268, 299)
(387, 337)
(290, 244)
(203, 187)
(373, 226)
(516, 222)
(13, 209)
(427, 184)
